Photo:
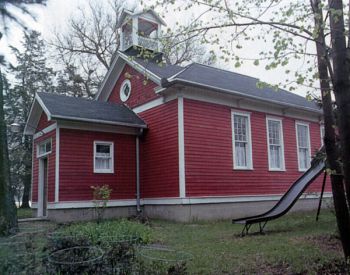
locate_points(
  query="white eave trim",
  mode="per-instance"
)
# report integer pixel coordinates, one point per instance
(29, 130)
(99, 121)
(232, 92)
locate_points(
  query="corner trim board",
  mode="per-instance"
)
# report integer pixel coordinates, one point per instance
(181, 136)
(57, 168)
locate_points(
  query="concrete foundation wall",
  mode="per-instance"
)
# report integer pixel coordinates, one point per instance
(183, 213)
(220, 211)
(86, 214)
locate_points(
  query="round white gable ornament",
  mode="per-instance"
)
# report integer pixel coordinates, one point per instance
(125, 90)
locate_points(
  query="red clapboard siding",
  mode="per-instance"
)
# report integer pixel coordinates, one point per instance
(209, 160)
(142, 89)
(51, 158)
(159, 167)
(76, 165)
(43, 122)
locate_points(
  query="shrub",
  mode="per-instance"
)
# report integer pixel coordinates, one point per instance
(101, 196)
(108, 231)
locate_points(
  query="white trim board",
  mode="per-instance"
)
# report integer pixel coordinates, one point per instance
(181, 144)
(178, 201)
(149, 105)
(45, 131)
(57, 165)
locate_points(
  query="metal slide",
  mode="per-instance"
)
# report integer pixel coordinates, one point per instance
(287, 200)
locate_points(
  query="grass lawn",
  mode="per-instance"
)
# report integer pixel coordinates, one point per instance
(23, 213)
(292, 244)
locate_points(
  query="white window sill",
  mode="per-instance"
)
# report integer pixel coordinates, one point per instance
(276, 170)
(103, 171)
(243, 168)
(44, 155)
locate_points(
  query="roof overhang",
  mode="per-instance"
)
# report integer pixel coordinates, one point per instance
(38, 107)
(167, 83)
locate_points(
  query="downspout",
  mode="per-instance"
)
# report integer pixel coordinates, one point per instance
(138, 197)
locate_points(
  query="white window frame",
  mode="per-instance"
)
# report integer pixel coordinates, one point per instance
(283, 166)
(322, 129)
(309, 144)
(38, 155)
(249, 136)
(124, 98)
(111, 145)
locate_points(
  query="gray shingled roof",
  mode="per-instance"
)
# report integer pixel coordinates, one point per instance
(80, 109)
(162, 70)
(223, 80)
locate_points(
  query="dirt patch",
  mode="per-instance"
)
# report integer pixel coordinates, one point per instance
(335, 267)
(325, 242)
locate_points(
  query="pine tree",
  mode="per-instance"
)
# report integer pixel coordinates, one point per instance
(31, 75)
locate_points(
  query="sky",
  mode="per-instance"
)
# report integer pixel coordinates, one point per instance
(54, 16)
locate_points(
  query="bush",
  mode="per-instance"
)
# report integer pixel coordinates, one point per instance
(108, 231)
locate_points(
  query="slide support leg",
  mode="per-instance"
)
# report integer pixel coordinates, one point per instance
(321, 196)
(262, 226)
(245, 230)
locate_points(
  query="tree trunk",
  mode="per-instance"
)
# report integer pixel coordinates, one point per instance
(27, 177)
(8, 217)
(341, 84)
(339, 198)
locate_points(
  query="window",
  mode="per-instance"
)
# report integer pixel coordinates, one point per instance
(242, 149)
(275, 144)
(303, 143)
(125, 90)
(322, 134)
(103, 157)
(44, 148)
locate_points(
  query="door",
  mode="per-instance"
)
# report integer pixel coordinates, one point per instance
(42, 190)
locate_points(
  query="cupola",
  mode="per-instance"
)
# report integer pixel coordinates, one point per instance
(140, 29)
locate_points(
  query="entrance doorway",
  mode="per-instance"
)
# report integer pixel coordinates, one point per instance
(42, 188)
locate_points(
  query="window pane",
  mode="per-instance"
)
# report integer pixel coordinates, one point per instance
(274, 132)
(240, 127)
(241, 154)
(303, 158)
(302, 136)
(275, 157)
(102, 148)
(102, 163)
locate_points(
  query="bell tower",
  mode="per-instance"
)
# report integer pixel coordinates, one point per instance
(140, 30)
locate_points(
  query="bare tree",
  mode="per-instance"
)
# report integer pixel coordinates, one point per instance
(93, 38)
